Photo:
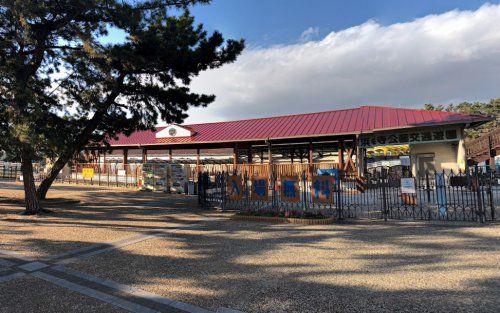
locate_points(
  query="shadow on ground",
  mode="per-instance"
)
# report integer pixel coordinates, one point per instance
(369, 266)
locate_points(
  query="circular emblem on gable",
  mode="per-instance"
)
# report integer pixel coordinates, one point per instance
(172, 131)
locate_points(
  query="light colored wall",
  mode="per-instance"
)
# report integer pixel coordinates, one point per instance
(446, 156)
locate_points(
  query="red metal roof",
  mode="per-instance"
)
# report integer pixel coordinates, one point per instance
(359, 120)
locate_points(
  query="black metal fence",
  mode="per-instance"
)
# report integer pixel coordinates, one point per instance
(383, 193)
(10, 171)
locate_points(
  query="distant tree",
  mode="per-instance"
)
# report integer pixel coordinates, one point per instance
(491, 108)
(65, 87)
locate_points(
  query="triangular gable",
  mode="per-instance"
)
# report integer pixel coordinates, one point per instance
(173, 131)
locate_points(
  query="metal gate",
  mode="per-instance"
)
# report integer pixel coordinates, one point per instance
(383, 193)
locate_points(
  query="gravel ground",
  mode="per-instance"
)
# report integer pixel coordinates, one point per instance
(339, 268)
(255, 267)
(30, 294)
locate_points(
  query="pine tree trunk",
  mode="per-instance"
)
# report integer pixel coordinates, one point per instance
(47, 182)
(30, 198)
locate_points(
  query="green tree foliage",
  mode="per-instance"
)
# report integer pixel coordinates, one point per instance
(63, 87)
(491, 108)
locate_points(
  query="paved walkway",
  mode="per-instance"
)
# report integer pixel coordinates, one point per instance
(52, 269)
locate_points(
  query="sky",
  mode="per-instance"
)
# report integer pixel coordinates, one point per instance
(318, 55)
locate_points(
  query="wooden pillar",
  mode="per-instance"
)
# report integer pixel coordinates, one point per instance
(310, 153)
(292, 153)
(311, 159)
(235, 156)
(270, 156)
(261, 156)
(341, 154)
(491, 153)
(170, 154)
(250, 156)
(144, 155)
(360, 159)
(197, 160)
(125, 156)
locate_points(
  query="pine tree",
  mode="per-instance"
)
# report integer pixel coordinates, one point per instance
(491, 108)
(64, 87)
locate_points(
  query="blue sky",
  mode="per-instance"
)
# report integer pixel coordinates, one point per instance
(318, 55)
(271, 22)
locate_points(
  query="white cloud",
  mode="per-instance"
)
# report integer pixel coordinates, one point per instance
(309, 34)
(442, 58)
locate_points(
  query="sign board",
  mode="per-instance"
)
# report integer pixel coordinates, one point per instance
(441, 193)
(155, 177)
(458, 181)
(335, 172)
(178, 177)
(290, 190)
(408, 191)
(88, 173)
(405, 160)
(259, 188)
(414, 137)
(235, 187)
(322, 189)
(408, 185)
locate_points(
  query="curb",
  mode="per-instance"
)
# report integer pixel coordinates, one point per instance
(269, 219)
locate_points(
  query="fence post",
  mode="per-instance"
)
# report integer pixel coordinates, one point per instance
(225, 196)
(384, 195)
(136, 182)
(304, 190)
(126, 174)
(480, 208)
(339, 197)
(427, 186)
(490, 192)
(200, 183)
(274, 182)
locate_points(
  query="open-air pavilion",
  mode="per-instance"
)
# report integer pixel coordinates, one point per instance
(332, 139)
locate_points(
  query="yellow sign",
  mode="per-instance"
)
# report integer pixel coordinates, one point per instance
(88, 173)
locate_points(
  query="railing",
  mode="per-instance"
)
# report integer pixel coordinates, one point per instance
(102, 174)
(281, 169)
(483, 145)
(130, 175)
(8, 171)
(473, 195)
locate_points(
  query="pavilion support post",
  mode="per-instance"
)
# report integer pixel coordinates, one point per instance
(144, 155)
(311, 159)
(270, 156)
(170, 154)
(341, 155)
(292, 154)
(360, 159)
(491, 152)
(125, 156)
(261, 156)
(235, 158)
(197, 160)
(249, 155)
